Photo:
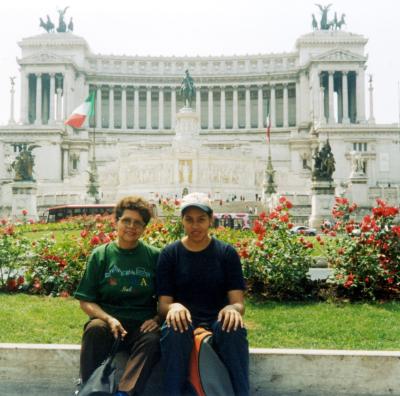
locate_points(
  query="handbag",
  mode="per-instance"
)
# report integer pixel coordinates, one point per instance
(104, 380)
(208, 376)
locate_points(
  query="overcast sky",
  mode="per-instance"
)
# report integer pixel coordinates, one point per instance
(206, 27)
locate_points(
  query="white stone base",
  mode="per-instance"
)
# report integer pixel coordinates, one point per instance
(24, 198)
(358, 190)
(322, 199)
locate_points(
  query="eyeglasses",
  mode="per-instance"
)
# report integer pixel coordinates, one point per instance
(132, 223)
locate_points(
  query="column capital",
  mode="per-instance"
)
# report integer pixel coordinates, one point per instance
(149, 87)
(161, 88)
(210, 88)
(38, 75)
(345, 72)
(222, 87)
(331, 72)
(260, 86)
(235, 86)
(123, 87)
(285, 84)
(52, 75)
(111, 87)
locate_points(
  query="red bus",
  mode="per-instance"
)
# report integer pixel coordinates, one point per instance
(58, 213)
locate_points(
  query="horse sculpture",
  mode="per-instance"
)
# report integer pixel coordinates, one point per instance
(187, 90)
(341, 22)
(62, 26)
(48, 25)
(324, 16)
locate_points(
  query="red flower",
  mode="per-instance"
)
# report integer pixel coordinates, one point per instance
(284, 218)
(95, 240)
(20, 280)
(282, 199)
(290, 225)
(3, 221)
(11, 284)
(84, 233)
(289, 205)
(24, 212)
(390, 280)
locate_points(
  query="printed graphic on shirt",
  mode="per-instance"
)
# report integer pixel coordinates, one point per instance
(128, 280)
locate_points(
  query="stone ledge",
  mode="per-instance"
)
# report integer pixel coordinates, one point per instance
(38, 369)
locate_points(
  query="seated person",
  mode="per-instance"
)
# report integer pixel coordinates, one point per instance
(117, 292)
(200, 281)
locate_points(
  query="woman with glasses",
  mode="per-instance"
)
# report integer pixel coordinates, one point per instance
(200, 283)
(117, 293)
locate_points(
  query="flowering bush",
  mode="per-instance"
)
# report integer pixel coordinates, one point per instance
(14, 256)
(56, 268)
(366, 255)
(276, 262)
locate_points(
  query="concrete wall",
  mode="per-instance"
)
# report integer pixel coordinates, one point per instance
(40, 370)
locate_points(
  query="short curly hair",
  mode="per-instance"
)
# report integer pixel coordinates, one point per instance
(137, 203)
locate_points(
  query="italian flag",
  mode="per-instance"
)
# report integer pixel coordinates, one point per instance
(79, 115)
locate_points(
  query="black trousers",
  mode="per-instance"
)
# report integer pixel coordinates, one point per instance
(143, 350)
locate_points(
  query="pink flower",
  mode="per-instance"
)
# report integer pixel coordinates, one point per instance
(24, 212)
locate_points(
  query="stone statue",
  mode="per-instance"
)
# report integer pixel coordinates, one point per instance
(314, 22)
(12, 80)
(48, 25)
(341, 22)
(357, 164)
(71, 25)
(324, 25)
(23, 164)
(62, 27)
(324, 164)
(187, 90)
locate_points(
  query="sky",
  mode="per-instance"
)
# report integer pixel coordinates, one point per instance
(206, 27)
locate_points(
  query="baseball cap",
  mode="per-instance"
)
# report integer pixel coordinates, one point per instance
(197, 200)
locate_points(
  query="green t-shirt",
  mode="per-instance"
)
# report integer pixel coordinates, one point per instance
(121, 281)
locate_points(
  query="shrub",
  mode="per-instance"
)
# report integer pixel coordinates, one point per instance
(366, 263)
(276, 262)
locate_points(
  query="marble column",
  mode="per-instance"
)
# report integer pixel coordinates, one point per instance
(98, 107)
(285, 106)
(223, 108)
(136, 107)
(322, 118)
(260, 121)
(111, 107)
(123, 107)
(198, 102)
(235, 108)
(247, 107)
(161, 108)
(360, 95)
(11, 121)
(210, 108)
(173, 107)
(38, 119)
(148, 107)
(51, 98)
(24, 97)
(297, 103)
(331, 116)
(59, 100)
(371, 118)
(273, 107)
(66, 162)
(345, 98)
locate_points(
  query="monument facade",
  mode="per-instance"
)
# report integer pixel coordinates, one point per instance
(146, 145)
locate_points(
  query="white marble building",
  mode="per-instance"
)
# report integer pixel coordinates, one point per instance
(318, 90)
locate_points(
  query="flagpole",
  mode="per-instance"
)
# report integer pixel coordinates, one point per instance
(93, 187)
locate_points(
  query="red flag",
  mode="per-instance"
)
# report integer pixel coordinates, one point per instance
(268, 122)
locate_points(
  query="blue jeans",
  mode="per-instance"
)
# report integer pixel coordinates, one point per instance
(232, 348)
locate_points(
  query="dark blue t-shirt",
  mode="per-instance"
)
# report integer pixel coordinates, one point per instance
(199, 280)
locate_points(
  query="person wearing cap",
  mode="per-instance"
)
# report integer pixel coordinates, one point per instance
(200, 282)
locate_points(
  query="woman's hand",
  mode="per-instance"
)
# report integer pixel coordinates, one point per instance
(231, 318)
(178, 317)
(149, 325)
(116, 327)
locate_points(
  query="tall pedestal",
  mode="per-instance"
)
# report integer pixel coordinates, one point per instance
(24, 198)
(358, 189)
(322, 200)
(186, 145)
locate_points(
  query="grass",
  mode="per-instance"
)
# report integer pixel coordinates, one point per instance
(34, 319)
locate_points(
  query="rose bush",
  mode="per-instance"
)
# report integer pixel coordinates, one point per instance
(365, 256)
(275, 261)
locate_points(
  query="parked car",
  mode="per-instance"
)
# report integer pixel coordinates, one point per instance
(304, 230)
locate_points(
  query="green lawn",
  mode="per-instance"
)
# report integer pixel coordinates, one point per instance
(33, 319)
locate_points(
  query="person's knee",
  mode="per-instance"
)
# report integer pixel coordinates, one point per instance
(169, 335)
(239, 333)
(97, 327)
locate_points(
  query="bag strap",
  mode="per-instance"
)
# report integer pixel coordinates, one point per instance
(114, 348)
